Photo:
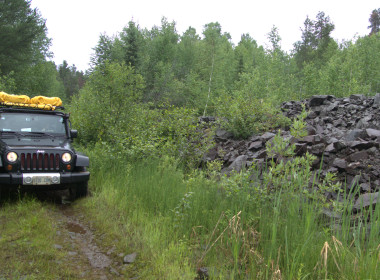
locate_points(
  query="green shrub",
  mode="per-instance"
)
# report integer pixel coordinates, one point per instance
(109, 100)
(244, 115)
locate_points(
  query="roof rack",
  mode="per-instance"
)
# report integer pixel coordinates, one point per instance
(37, 102)
(47, 107)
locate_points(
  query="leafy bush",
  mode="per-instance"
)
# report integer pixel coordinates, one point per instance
(245, 115)
(7, 83)
(109, 116)
(109, 99)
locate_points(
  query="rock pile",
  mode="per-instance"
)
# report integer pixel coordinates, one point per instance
(343, 133)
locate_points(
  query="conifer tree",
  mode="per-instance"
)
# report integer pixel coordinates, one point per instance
(374, 21)
(23, 38)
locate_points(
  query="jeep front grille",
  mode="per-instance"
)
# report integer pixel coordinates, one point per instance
(39, 161)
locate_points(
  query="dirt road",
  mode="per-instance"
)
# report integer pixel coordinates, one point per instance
(80, 244)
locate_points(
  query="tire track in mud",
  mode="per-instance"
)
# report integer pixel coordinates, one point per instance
(85, 257)
(84, 250)
(78, 240)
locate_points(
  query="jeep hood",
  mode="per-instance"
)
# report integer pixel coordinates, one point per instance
(38, 143)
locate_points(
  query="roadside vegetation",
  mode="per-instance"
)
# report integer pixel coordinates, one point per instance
(231, 227)
(27, 239)
(137, 113)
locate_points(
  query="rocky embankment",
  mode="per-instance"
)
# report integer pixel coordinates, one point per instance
(343, 134)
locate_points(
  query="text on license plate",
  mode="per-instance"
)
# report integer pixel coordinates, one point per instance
(41, 179)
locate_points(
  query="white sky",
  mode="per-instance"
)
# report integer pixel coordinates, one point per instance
(75, 25)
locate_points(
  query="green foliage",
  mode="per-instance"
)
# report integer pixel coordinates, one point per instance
(72, 79)
(293, 177)
(107, 50)
(244, 116)
(110, 99)
(181, 136)
(187, 70)
(279, 147)
(298, 127)
(182, 210)
(233, 223)
(28, 240)
(128, 129)
(193, 71)
(374, 20)
(40, 79)
(279, 227)
(315, 42)
(7, 83)
(131, 38)
(23, 39)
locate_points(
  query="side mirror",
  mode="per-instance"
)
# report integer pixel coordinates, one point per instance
(73, 133)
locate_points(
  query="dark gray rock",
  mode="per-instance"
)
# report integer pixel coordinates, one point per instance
(354, 183)
(308, 139)
(211, 155)
(344, 134)
(359, 156)
(365, 187)
(366, 200)
(311, 130)
(238, 163)
(339, 145)
(206, 119)
(317, 100)
(300, 149)
(340, 163)
(373, 133)
(317, 149)
(333, 107)
(267, 136)
(354, 134)
(130, 258)
(224, 134)
(260, 154)
(376, 100)
(361, 145)
(312, 115)
(357, 97)
(254, 146)
(330, 148)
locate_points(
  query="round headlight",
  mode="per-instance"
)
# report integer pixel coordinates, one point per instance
(66, 157)
(12, 157)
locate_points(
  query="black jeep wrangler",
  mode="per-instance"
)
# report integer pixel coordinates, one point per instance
(36, 151)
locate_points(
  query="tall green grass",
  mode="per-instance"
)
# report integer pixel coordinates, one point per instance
(180, 223)
(28, 238)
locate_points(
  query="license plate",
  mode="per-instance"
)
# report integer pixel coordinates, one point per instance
(41, 179)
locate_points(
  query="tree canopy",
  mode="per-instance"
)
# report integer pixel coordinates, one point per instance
(374, 21)
(23, 38)
(197, 68)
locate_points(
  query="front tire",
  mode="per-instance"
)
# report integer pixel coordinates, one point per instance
(81, 190)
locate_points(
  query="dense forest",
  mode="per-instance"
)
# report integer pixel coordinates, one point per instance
(137, 108)
(204, 73)
(193, 69)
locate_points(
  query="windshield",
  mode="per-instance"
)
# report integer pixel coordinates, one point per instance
(39, 123)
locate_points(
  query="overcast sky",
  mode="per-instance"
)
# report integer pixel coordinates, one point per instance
(75, 25)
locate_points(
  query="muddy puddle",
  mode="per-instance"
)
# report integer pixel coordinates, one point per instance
(72, 227)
